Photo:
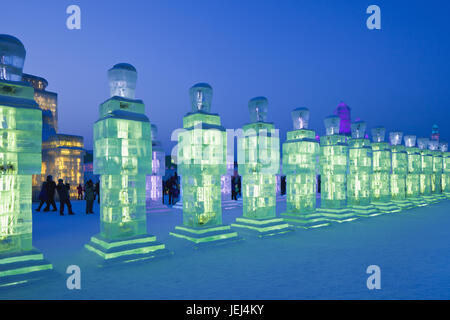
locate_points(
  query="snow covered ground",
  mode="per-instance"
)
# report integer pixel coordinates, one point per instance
(412, 249)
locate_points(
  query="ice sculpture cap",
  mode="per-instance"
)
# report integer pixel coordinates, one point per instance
(122, 80)
(410, 141)
(258, 107)
(332, 124)
(300, 118)
(154, 132)
(433, 145)
(201, 97)
(378, 134)
(422, 143)
(12, 58)
(443, 146)
(358, 129)
(395, 138)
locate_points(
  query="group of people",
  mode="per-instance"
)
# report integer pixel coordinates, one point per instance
(235, 187)
(47, 196)
(49, 188)
(171, 187)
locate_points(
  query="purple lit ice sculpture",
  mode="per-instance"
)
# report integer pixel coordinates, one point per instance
(154, 189)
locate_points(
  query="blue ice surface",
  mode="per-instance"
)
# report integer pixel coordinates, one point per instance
(411, 248)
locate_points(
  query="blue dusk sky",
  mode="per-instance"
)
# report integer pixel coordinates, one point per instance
(296, 53)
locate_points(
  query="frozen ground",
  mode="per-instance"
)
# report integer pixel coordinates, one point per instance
(411, 248)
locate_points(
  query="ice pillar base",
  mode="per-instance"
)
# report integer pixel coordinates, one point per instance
(431, 199)
(23, 267)
(337, 215)
(305, 220)
(132, 249)
(368, 210)
(387, 207)
(418, 201)
(206, 235)
(262, 227)
(404, 204)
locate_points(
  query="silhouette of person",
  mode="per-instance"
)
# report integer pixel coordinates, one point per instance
(89, 195)
(80, 192)
(64, 198)
(51, 188)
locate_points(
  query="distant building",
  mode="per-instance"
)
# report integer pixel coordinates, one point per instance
(343, 111)
(62, 154)
(435, 132)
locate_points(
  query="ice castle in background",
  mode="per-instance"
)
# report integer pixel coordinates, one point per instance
(62, 154)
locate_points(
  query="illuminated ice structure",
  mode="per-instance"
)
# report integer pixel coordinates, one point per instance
(20, 158)
(300, 152)
(360, 172)
(258, 163)
(436, 176)
(381, 176)
(426, 156)
(154, 188)
(445, 169)
(122, 158)
(399, 171)
(413, 173)
(202, 162)
(333, 173)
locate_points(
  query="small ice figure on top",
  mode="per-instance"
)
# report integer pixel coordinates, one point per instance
(300, 118)
(12, 58)
(332, 124)
(358, 129)
(433, 145)
(443, 146)
(201, 97)
(410, 141)
(422, 143)
(122, 80)
(395, 138)
(378, 134)
(258, 109)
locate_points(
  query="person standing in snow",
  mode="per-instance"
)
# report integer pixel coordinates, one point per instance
(64, 198)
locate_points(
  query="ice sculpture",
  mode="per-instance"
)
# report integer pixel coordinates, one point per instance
(122, 158)
(300, 152)
(443, 146)
(426, 170)
(333, 162)
(20, 158)
(202, 162)
(259, 162)
(360, 172)
(154, 183)
(381, 176)
(399, 170)
(436, 176)
(414, 171)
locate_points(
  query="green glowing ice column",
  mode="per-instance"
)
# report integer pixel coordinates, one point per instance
(436, 176)
(399, 171)
(20, 158)
(201, 163)
(360, 172)
(300, 152)
(426, 170)
(445, 169)
(413, 174)
(333, 173)
(259, 162)
(381, 176)
(122, 156)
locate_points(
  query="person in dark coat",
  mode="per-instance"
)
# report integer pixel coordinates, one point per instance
(89, 196)
(51, 188)
(97, 191)
(64, 198)
(80, 192)
(43, 196)
(169, 186)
